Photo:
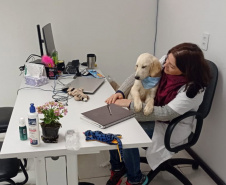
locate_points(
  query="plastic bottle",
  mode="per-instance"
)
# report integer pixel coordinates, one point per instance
(55, 57)
(72, 140)
(22, 129)
(33, 125)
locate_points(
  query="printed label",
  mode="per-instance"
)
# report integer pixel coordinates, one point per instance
(33, 132)
(33, 142)
(32, 121)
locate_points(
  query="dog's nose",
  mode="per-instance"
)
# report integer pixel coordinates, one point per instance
(137, 77)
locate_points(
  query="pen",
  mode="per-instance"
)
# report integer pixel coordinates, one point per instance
(109, 109)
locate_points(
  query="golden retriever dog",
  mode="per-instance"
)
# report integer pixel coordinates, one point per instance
(147, 66)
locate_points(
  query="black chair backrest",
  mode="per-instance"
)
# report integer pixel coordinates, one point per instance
(202, 112)
(204, 108)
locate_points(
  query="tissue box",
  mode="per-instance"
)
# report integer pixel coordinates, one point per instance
(33, 81)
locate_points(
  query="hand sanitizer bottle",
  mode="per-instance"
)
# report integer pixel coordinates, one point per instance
(33, 123)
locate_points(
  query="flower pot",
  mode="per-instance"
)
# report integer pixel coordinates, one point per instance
(50, 133)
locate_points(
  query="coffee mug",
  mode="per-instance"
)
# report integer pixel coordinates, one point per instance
(91, 59)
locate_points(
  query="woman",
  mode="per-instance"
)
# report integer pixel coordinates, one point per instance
(185, 75)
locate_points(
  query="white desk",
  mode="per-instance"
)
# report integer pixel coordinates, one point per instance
(132, 134)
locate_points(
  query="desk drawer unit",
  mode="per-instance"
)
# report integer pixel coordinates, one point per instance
(56, 170)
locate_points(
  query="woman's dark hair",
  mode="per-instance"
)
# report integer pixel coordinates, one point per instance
(190, 60)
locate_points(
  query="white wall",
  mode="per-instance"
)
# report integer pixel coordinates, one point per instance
(185, 21)
(116, 31)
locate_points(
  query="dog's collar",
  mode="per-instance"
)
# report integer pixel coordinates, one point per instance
(150, 82)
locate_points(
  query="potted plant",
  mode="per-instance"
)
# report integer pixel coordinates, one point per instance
(50, 124)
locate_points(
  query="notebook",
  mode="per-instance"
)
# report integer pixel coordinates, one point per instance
(107, 115)
(89, 85)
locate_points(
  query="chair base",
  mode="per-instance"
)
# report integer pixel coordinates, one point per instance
(169, 167)
(11, 182)
(23, 166)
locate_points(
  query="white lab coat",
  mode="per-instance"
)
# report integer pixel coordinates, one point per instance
(157, 153)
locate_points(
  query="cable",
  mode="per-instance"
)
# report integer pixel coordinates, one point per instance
(61, 82)
(57, 93)
(21, 68)
(60, 98)
(156, 26)
(32, 88)
(55, 96)
(32, 55)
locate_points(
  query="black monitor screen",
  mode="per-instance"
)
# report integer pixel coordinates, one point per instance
(48, 39)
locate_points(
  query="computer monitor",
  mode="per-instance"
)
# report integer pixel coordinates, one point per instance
(40, 40)
(47, 40)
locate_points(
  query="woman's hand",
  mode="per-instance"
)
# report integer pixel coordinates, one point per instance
(123, 102)
(113, 98)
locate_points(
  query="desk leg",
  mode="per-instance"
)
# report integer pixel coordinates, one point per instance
(40, 171)
(72, 169)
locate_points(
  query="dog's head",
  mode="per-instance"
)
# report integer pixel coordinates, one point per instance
(147, 65)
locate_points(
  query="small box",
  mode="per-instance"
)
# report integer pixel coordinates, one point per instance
(33, 81)
(52, 72)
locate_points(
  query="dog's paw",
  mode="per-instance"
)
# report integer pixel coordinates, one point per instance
(148, 110)
(137, 106)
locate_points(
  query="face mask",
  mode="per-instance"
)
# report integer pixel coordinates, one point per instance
(150, 82)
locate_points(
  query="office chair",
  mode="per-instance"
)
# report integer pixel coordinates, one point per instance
(200, 115)
(9, 168)
(5, 115)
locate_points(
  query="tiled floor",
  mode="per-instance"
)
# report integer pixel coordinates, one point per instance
(96, 169)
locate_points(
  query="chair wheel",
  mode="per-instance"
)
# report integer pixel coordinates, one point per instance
(195, 166)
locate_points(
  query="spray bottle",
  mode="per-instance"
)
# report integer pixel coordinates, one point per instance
(33, 124)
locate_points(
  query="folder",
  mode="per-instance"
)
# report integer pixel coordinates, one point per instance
(108, 115)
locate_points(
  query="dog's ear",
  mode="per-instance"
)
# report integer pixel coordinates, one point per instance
(155, 70)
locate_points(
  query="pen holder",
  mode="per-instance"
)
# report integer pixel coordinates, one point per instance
(61, 65)
(52, 72)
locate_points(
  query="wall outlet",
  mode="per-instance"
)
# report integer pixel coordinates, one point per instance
(205, 41)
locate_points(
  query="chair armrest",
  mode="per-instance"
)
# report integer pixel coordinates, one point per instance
(174, 123)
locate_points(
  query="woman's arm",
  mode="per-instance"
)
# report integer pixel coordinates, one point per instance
(127, 85)
(178, 106)
(162, 113)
